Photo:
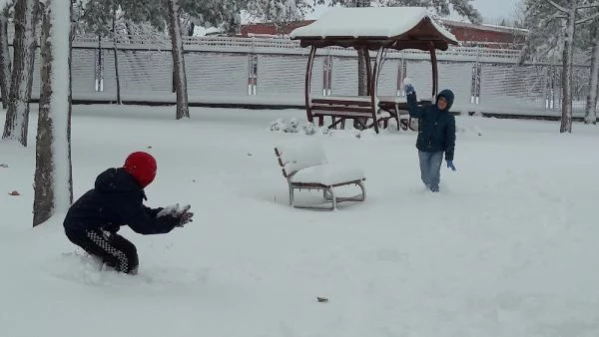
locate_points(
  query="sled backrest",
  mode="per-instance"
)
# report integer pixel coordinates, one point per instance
(293, 158)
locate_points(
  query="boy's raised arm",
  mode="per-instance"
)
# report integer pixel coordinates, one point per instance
(413, 108)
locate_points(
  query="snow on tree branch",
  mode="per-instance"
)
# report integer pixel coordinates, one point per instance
(587, 19)
(594, 5)
(278, 10)
(557, 6)
(557, 15)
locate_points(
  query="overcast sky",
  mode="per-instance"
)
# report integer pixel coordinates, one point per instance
(491, 10)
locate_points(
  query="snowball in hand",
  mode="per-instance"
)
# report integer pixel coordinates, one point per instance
(407, 85)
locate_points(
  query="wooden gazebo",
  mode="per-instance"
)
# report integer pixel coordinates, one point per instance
(372, 29)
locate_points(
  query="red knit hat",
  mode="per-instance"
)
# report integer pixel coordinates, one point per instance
(142, 166)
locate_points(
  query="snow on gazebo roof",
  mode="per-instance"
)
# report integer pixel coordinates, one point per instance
(373, 27)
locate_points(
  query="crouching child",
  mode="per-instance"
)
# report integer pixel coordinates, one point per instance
(116, 200)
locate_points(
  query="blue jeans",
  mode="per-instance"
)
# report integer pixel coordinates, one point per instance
(430, 169)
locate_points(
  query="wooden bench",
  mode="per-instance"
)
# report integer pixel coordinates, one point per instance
(306, 167)
(399, 111)
(360, 109)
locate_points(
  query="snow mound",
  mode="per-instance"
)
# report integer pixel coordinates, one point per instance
(280, 125)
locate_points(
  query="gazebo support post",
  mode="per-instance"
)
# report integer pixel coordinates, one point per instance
(368, 70)
(435, 74)
(308, 84)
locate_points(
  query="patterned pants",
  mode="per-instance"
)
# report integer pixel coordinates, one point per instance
(113, 249)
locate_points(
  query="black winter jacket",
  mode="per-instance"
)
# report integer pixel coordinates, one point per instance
(116, 200)
(436, 130)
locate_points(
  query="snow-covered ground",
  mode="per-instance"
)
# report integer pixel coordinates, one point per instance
(508, 248)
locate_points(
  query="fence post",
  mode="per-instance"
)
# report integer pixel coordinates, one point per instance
(99, 71)
(557, 87)
(477, 76)
(549, 87)
(473, 84)
(252, 70)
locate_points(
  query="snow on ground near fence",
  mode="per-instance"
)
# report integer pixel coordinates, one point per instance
(508, 248)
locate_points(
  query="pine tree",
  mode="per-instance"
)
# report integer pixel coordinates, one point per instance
(277, 11)
(442, 7)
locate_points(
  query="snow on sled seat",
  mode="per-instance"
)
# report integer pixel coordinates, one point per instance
(328, 175)
(306, 167)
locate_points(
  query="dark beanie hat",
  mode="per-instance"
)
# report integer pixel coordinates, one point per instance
(142, 166)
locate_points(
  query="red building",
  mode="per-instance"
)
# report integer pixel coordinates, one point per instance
(468, 34)
(489, 35)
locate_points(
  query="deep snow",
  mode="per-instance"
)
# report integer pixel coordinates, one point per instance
(508, 248)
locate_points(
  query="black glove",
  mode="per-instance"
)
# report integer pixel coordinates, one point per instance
(181, 214)
(185, 218)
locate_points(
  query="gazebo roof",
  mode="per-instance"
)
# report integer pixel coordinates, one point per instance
(375, 27)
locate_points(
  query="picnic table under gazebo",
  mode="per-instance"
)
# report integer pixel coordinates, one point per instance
(371, 29)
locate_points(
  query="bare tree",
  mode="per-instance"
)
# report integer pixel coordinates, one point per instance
(362, 59)
(590, 115)
(115, 41)
(17, 115)
(570, 15)
(180, 77)
(224, 14)
(53, 169)
(5, 60)
(552, 35)
(101, 18)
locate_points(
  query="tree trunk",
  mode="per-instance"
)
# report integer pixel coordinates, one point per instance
(116, 71)
(362, 61)
(362, 73)
(191, 29)
(363, 87)
(5, 60)
(179, 75)
(17, 115)
(53, 170)
(115, 51)
(566, 125)
(129, 31)
(591, 106)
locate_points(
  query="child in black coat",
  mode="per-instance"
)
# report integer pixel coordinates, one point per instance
(116, 200)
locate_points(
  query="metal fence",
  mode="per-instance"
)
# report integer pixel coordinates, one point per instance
(272, 71)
